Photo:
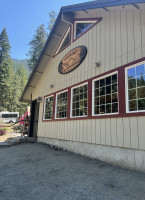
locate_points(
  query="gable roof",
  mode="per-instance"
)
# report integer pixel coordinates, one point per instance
(99, 4)
(64, 19)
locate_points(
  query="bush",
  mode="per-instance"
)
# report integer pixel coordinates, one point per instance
(2, 131)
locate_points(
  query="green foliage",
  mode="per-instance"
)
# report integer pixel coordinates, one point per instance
(52, 18)
(36, 46)
(5, 65)
(12, 79)
(23, 62)
(4, 46)
(38, 41)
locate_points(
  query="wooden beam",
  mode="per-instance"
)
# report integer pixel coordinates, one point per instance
(136, 6)
(105, 9)
(67, 17)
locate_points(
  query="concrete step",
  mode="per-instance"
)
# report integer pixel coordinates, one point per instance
(21, 140)
(17, 140)
(4, 144)
(13, 142)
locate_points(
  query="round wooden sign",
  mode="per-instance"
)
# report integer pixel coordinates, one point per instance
(72, 60)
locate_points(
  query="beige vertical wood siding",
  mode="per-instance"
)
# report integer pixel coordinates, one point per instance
(118, 39)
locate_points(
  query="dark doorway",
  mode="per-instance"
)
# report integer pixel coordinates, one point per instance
(34, 119)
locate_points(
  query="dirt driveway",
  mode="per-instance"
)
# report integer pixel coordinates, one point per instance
(36, 172)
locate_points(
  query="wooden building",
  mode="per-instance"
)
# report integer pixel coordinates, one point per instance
(88, 87)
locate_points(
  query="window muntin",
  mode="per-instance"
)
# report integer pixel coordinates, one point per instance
(79, 101)
(82, 26)
(48, 114)
(65, 41)
(135, 79)
(61, 105)
(105, 95)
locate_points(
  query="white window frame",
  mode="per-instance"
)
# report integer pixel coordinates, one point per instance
(56, 104)
(93, 114)
(126, 88)
(64, 37)
(83, 21)
(86, 83)
(44, 106)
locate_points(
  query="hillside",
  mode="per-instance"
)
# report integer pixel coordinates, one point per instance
(21, 62)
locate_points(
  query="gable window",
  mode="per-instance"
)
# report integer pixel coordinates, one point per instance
(61, 105)
(65, 41)
(105, 95)
(79, 101)
(135, 82)
(48, 108)
(82, 26)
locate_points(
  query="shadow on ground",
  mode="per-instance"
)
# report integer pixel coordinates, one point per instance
(37, 172)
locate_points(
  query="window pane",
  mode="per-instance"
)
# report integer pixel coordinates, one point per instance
(115, 107)
(108, 80)
(132, 94)
(140, 70)
(131, 83)
(108, 89)
(82, 27)
(114, 97)
(97, 84)
(141, 81)
(102, 109)
(131, 73)
(114, 78)
(108, 98)
(114, 88)
(97, 110)
(102, 91)
(102, 100)
(102, 82)
(141, 92)
(108, 108)
(80, 102)
(65, 42)
(133, 105)
(141, 104)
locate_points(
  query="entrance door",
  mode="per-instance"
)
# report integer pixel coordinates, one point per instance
(34, 119)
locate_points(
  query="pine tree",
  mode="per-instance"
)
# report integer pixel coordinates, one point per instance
(36, 46)
(5, 65)
(52, 18)
(4, 46)
(23, 78)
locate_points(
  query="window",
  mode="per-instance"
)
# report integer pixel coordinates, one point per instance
(65, 41)
(135, 88)
(48, 112)
(79, 101)
(82, 26)
(61, 105)
(9, 115)
(105, 95)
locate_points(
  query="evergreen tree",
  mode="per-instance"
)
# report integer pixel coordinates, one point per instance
(23, 78)
(36, 46)
(4, 46)
(5, 65)
(52, 18)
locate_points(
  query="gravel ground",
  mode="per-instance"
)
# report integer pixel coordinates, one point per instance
(37, 172)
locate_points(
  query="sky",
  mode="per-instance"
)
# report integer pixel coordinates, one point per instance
(22, 17)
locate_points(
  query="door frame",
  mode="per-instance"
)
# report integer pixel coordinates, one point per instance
(32, 122)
